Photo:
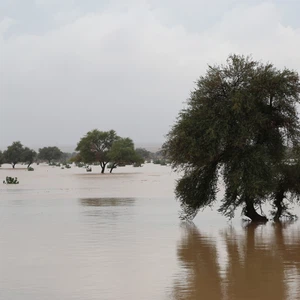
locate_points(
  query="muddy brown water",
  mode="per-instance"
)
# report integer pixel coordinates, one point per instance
(68, 234)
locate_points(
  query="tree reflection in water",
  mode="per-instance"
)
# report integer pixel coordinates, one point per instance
(107, 201)
(260, 264)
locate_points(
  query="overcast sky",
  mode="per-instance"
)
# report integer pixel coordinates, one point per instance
(69, 66)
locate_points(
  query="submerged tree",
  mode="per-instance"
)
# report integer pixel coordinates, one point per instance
(13, 153)
(95, 146)
(123, 152)
(28, 156)
(236, 124)
(50, 154)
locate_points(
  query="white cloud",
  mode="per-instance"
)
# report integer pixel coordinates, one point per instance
(123, 69)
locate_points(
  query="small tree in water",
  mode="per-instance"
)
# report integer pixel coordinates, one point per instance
(95, 146)
(28, 156)
(236, 124)
(13, 153)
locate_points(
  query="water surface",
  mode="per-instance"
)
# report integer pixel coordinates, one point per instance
(67, 234)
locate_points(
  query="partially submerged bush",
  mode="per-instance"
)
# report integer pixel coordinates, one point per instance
(89, 169)
(161, 162)
(137, 165)
(30, 169)
(11, 180)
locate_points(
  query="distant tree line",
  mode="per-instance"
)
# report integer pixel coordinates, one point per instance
(105, 148)
(17, 153)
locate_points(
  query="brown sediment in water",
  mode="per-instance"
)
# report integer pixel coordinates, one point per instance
(66, 234)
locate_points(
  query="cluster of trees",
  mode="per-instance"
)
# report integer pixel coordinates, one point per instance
(106, 147)
(17, 153)
(240, 124)
(103, 147)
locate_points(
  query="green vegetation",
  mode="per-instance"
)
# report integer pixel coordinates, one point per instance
(107, 149)
(16, 153)
(67, 157)
(143, 153)
(95, 145)
(80, 165)
(161, 162)
(50, 154)
(28, 156)
(122, 152)
(11, 180)
(30, 169)
(236, 125)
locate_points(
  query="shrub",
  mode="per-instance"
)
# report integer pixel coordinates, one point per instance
(11, 180)
(137, 165)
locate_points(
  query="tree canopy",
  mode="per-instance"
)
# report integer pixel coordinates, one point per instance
(16, 153)
(236, 125)
(50, 154)
(28, 156)
(144, 153)
(95, 146)
(13, 153)
(123, 152)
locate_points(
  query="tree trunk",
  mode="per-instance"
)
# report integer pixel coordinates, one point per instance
(102, 165)
(29, 165)
(278, 204)
(251, 213)
(13, 165)
(112, 167)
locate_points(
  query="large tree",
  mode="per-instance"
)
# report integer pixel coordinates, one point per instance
(13, 153)
(95, 146)
(236, 124)
(28, 156)
(123, 152)
(50, 154)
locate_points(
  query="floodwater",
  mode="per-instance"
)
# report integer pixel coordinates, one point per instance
(68, 234)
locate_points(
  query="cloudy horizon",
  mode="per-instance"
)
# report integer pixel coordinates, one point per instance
(67, 67)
